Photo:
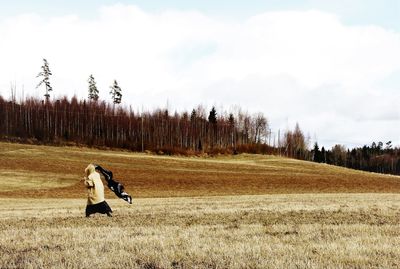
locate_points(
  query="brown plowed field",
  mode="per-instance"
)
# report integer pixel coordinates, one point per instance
(56, 172)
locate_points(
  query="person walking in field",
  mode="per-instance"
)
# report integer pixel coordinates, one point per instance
(95, 189)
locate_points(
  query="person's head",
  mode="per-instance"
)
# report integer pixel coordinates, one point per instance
(89, 170)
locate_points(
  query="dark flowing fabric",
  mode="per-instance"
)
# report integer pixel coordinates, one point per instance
(102, 208)
(113, 185)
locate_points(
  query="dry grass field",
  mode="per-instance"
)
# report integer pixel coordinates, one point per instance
(245, 211)
(266, 231)
(36, 171)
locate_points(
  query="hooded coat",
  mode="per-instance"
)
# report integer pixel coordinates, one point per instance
(94, 185)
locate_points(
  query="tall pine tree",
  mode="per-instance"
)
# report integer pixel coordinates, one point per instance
(212, 117)
(45, 74)
(115, 92)
(93, 92)
(193, 116)
(317, 153)
(323, 155)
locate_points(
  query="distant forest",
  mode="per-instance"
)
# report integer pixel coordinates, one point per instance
(101, 124)
(378, 157)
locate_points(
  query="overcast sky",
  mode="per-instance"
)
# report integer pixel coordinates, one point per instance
(331, 66)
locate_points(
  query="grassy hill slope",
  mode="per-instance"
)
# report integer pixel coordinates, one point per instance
(56, 172)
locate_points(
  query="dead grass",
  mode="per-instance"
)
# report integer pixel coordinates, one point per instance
(267, 231)
(25, 167)
(226, 219)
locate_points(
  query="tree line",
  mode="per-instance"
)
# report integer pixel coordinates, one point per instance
(98, 123)
(377, 157)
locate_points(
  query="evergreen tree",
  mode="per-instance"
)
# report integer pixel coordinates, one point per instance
(115, 92)
(193, 116)
(323, 155)
(380, 146)
(388, 145)
(231, 120)
(93, 92)
(317, 154)
(212, 118)
(45, 74)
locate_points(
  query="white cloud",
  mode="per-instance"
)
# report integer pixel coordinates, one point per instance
(294, 66)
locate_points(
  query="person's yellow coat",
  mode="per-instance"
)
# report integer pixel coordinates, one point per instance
(94, 186)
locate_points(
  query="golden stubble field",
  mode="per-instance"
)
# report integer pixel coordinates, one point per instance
(267, 231)
(246, 211)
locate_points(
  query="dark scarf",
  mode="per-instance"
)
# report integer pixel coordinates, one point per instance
(113, 185)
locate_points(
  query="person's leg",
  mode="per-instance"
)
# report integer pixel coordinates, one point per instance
(87, 212)
(104, 208)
